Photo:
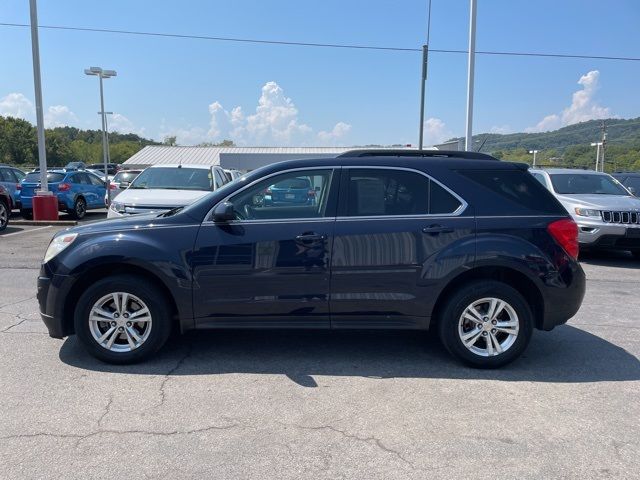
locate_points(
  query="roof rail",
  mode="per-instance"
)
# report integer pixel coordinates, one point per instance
(417, 153)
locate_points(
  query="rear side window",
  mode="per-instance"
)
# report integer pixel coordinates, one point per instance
(376, 192)
(517, 188)
(34, 177)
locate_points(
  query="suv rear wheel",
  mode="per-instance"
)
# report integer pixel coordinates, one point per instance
(486, 324)
(79, 209)
(122, 319)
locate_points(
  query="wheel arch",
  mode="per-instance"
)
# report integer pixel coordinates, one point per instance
(512, 277)
(103, 271)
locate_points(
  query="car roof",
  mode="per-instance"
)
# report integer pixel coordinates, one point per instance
(451, 163)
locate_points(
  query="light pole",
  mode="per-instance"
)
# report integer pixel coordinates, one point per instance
(535, 152)
(35, 53)
(100, 73)
(597, 144)
(470, 74)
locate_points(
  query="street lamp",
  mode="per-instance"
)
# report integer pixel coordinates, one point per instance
(100, 73)
(597, 144)
(535, 152)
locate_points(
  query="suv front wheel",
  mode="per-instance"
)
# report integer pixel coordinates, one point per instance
(122, 319)
(486, 324)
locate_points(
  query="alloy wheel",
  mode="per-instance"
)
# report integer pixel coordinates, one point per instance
(81, 208)
(488, 327)
(120, 322)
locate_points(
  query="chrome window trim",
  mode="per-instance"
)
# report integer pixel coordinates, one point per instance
(456, 213)
(280, 220)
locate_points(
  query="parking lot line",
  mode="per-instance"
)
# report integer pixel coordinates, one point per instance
(25, 231)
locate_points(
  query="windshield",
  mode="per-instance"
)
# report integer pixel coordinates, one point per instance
(174, 178)
(34, 177)
(125, 177)
(586, 184)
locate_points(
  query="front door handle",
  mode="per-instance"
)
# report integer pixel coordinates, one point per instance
(436, 229)
(310, 237)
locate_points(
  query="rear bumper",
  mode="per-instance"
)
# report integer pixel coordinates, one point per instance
(563, 296)
(52, 289)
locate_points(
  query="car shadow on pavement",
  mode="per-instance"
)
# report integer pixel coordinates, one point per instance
(567, 354)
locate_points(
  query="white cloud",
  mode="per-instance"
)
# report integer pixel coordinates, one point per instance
(436, 131)
(17, 105)
(275, 122)
(121, 124)
(338, 132)
(501, 129)
(583, 107)
(59, 116)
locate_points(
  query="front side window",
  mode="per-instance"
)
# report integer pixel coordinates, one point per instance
(95, 180)
(586, 184)
(6, 175)
(376, 192)
(298, 194)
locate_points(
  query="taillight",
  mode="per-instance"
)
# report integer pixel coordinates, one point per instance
(267, 191)
(312, 193)
(64, 187)
(565, 232)
(18, 187)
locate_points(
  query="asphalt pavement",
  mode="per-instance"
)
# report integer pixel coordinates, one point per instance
(302, 405)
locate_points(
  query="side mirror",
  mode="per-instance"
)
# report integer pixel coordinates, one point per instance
(124, 185)
(223, 213)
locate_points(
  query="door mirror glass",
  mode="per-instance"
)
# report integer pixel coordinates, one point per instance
(223, 213)
(124, 184)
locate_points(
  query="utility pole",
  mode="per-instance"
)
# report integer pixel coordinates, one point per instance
(603, 127)
(425, 56)
(470, 73)
(598, 145)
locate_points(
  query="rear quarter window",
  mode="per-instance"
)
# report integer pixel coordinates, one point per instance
(34, 177)
(516, 192)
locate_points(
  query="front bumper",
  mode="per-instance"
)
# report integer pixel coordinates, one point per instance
(52, 290)
(594, 233)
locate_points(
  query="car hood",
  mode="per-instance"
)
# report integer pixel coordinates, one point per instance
(601, 202)
(159, 197)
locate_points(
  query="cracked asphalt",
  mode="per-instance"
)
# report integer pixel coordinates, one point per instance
(293, 405)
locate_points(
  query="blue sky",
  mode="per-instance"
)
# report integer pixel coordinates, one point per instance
(291, 95)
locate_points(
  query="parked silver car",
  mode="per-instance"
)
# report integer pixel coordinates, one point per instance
(121, 181)
(607, 214)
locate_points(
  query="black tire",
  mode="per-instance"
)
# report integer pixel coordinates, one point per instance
(466, 295)
(79, 209)
(133, 285)
(26, 214)
(5, 213)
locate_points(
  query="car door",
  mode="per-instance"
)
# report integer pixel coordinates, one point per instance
(398, 233)
(98, 190)
(9, 181)
(270, 266)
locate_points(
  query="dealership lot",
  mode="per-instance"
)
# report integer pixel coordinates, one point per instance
(322, 405)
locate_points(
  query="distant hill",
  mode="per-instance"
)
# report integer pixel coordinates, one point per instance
(571, 145)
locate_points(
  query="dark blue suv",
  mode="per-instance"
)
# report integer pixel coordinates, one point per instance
(460, 242)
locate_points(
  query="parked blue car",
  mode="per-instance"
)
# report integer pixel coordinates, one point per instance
(10, 179)
(291, 191)
(77, 191)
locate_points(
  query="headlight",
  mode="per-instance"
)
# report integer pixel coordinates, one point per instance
(58, 244)
(117, 207)
(587, 212)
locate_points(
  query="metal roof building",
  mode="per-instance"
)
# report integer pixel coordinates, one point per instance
(240, 158)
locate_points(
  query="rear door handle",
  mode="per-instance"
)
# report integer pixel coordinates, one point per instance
(436, 229)
(310, 237)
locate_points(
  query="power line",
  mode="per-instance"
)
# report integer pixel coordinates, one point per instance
(320, 45)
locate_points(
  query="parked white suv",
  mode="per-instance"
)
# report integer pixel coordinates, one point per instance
(164, 187)
(607, 214)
